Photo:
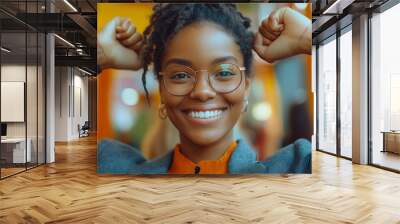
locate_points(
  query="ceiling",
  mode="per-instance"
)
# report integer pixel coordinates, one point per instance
(332, 15)
(73, 20)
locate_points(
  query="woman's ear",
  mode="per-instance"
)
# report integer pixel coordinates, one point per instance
(246, 94)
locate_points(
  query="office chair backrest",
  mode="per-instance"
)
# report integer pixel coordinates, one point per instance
(86, 125)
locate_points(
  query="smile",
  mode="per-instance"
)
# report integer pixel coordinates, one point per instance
(208, 114)
(203, 116)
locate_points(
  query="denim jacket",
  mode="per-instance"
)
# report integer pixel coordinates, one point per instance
(114, 157)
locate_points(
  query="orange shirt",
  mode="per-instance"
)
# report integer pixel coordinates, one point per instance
(182, 165)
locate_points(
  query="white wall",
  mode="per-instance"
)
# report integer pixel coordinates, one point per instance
(80, 100)
(71, 93)
(61, 103)
(16, 73)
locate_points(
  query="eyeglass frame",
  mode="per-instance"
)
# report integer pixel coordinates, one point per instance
(241, 69)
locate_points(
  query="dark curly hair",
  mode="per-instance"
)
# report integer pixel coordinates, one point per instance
(168, 18)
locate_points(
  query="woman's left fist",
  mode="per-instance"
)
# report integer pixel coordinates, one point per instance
(284, 33)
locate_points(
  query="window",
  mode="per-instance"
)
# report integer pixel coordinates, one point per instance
(346, 93)
(385, 89)
(327, 96)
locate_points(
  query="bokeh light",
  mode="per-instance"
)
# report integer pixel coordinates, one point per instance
(123, 119)
(129, 96)
(262, 111)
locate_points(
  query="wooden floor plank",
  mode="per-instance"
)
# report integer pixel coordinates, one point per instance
(70, 191)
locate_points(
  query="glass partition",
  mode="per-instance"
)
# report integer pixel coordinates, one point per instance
(32, 96)
(22, 88)
(14, 143)
(41, 96)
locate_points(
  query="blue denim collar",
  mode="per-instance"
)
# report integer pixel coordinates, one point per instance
(243, 160)
(118, 158)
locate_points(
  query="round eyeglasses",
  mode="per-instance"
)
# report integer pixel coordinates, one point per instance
(180, 80)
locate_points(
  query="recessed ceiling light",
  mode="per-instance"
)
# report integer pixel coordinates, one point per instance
(84, 71)
(65, 41)
(70, 5)
(337, 7)
(5, 50)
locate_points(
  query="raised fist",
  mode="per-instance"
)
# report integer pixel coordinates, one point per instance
(284, 33)
(119, 45)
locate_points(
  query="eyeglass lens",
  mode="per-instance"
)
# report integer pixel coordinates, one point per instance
(180, 80)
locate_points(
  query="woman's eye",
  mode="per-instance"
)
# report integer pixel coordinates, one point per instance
(180, 76)
(225, 74)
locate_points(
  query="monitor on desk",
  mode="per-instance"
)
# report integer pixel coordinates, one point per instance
(3, 130)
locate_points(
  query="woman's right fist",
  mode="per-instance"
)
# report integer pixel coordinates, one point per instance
(119, 45)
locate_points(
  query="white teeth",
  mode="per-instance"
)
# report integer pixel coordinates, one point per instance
(205, 114)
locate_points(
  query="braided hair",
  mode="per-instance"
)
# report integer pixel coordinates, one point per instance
(168, 19)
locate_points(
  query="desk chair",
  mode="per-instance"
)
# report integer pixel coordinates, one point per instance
(84, 130)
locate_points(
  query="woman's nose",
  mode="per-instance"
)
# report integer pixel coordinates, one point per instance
(202, 89)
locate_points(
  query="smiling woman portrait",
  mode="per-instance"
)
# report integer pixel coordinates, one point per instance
(202, 58)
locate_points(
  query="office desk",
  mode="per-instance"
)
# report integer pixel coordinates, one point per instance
(391, 141)
(16, 146)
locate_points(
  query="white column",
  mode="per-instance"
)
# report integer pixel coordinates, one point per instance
(50, 94)
(360, 90)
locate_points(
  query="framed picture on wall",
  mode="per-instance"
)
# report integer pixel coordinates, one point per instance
(191, 88)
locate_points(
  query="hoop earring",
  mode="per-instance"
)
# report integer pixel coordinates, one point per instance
(246, 105)
(162, 111)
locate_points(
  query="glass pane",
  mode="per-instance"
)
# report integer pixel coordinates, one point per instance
(346, 94)
(41, 99)
(31, 97)
(32, 84)
(386, 89)
(22, 79)
(13, 86)
(327, 97)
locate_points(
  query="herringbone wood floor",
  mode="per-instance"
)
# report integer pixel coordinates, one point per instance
(70, 191)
